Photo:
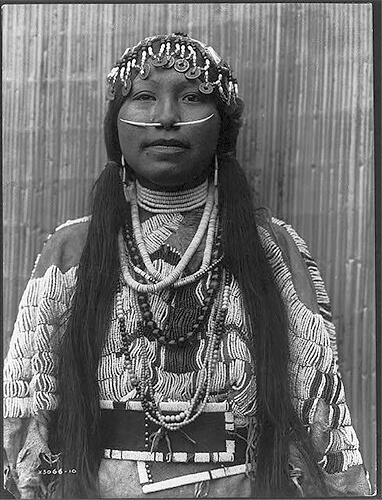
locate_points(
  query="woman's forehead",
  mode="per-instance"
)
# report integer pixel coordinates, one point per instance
(162, 78)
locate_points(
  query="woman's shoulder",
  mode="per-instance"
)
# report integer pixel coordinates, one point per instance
(63, 248)
(282, 233)
(287, 231)
(286, 250)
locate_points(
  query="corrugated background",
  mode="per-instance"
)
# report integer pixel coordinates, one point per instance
(305, 72)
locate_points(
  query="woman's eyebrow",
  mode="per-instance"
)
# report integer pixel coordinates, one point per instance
(186, 84)
(178, 85)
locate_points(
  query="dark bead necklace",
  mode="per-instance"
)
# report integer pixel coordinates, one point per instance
(144, 388)
(151, 328)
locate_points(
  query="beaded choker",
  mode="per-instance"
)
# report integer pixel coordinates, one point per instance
(171, 201)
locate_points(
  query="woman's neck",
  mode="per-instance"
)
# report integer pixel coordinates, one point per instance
(182, 186)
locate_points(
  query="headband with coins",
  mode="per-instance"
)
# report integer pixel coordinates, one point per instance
(181, 53)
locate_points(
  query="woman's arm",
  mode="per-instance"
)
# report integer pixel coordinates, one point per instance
(30, 391)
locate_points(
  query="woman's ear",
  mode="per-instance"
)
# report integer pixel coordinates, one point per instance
(128, 172)
(235, 109)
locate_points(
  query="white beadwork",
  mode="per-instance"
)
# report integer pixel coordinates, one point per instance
(208, 223)
(35, 326)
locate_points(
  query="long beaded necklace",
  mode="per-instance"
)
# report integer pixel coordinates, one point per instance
(208, 255)
(135, 259)
(144, 387)
(130, 255)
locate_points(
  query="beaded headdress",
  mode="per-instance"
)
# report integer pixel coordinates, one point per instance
(185, 55)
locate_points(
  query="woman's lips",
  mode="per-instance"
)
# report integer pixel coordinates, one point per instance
(166, 147)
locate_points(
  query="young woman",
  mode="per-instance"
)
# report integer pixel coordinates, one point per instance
(178, 342)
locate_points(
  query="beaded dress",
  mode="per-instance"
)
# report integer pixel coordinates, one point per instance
(316, 386)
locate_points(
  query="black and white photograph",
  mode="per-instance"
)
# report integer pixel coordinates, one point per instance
(189, 250)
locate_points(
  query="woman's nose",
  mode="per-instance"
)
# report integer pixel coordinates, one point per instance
(168, 113)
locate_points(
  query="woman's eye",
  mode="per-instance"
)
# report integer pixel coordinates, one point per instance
(144, 97)
(192, 98)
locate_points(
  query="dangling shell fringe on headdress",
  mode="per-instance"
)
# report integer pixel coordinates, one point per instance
(182, 53)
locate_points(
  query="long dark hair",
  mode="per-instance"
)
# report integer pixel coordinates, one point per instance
(76, 428)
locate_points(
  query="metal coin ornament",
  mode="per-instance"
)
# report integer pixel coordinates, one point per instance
(181, 65)
(145, 71)
(161, 61)
(193, 73)
(206, 88)
(126, 87)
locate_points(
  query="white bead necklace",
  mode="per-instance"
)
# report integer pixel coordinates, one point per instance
(193, 245)
(209, 220)
(207, 262)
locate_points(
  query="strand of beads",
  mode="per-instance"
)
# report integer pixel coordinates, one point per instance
(211, 254)
(187, 280)
(210, 251)
(140, 285)
(203, 390)
(129, 367)
(172, 201)
(176, 273)
(163, 337)
(152, 329)
(174, 276)
(125, 338)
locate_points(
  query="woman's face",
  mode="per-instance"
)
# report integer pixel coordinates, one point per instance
(168, 156)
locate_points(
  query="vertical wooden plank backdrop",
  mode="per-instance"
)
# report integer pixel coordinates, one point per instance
(305, 73)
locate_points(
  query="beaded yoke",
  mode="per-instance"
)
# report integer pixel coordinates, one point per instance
(30, 384)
